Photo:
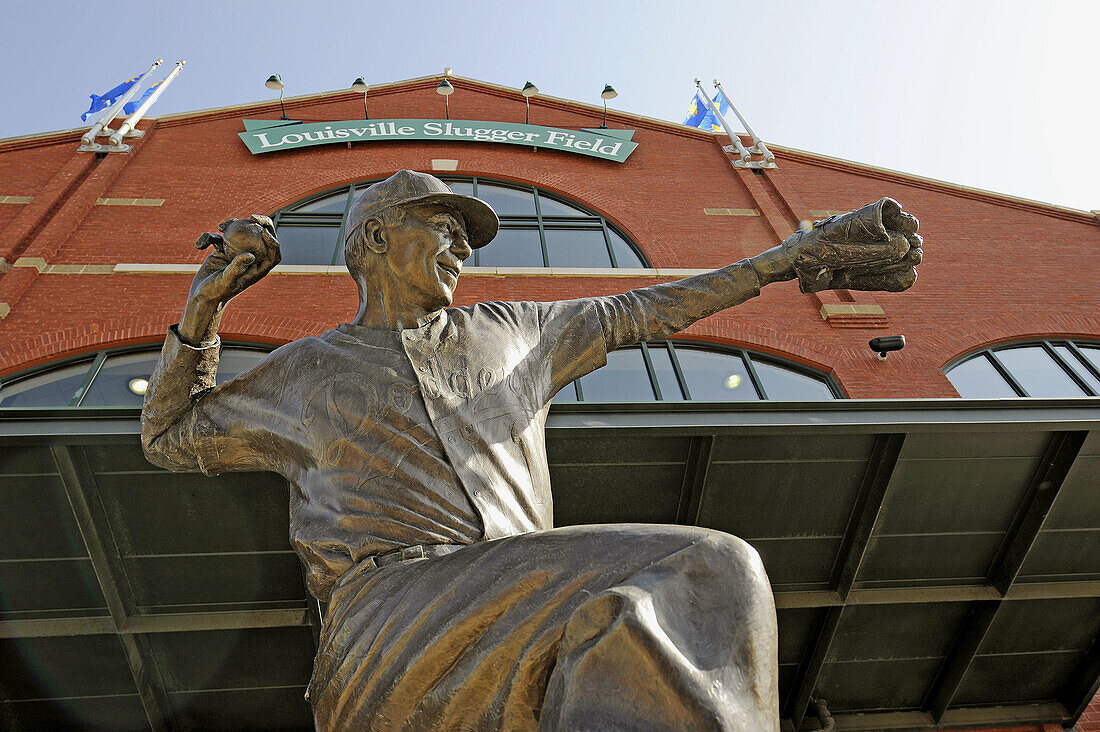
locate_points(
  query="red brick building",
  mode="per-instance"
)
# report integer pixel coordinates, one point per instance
(96, 257)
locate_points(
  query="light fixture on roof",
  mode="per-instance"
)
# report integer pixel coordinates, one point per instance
(360, 85)
(607, 93)
(446, 89)
(529, 90)
(275, 82)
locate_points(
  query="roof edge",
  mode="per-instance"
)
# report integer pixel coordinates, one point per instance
(934, 183)
(171, 120)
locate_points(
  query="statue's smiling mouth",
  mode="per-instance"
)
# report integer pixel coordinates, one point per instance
(451, 269)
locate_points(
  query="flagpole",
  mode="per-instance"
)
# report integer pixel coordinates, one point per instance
(756, 141)
(131, 123)
(114, 109)
(746, 156)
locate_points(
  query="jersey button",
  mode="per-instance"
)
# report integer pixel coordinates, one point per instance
(477, 494)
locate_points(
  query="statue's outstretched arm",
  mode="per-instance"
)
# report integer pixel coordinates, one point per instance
(874, 248)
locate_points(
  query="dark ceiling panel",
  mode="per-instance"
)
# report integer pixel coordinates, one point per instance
(946, 559)
(617, 450)
(616, 493)
(88, 665)
(38, 501)
(1069, 554)
(228, 659)
(797, 563)
(802, 499)
(1066, 624)
(800, 482)
(26, 460)
(823, 447)
(1015, 678)
(869, 632)
(955, 494)
(116, 713)
(279, 709)
(237, 512)
(1078, 504)
(215, 578)
(894, 684)
(796, 629)
(67, 584)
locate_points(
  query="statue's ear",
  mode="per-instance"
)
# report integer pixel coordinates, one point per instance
(225, 225)
(374, 236)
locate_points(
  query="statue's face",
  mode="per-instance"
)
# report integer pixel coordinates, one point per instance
(424, 254)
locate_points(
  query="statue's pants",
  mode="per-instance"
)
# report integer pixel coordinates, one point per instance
(588, 627)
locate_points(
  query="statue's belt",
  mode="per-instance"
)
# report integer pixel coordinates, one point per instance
(419, 551)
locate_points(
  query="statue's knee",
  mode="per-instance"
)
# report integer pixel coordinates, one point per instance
(734, 559)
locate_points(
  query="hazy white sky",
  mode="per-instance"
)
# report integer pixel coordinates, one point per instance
(1002, 95)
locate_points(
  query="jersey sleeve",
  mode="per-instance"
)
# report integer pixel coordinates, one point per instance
(189, 423)
(576, 335)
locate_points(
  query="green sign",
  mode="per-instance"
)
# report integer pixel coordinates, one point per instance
(262, 136)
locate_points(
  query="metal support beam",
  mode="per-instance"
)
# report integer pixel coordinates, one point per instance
(810, 669)
(166, 623)
(695, 480)
(1084, 683)
(54, 627)
(79, 482)
(1043, 490)
(868, 506)
(960, 658)
(785, 600)
(998, 716)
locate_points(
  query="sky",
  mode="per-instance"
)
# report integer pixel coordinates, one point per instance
(1001, 95)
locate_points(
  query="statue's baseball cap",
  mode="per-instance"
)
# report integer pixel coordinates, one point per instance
(408, 186)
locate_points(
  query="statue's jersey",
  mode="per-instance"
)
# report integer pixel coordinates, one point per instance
(432, 435)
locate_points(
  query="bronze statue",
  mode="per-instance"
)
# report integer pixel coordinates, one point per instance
(421, 506)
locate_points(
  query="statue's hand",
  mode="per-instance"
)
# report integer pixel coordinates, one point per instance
(873, 248)
(244, 251)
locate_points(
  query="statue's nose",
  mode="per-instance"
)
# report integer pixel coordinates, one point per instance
(461, 247)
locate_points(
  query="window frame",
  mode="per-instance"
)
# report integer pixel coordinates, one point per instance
(1048, 346)
(96, 360)
(745, 354)
(591, 221)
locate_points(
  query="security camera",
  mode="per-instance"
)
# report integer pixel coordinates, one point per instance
(885, 344)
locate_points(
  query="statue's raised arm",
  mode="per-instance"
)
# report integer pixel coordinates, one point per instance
(244, 251)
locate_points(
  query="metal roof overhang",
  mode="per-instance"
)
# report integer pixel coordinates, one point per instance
(936, 563)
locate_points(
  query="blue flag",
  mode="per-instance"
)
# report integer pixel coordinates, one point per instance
(132, 106)
(700, 116)
(102, 102)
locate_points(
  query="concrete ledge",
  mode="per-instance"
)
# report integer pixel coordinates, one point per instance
(37, 262)
(825, 212)
(731, 212)
(317, 269)
(129, 202)
(79, 269)
(16, 199)
(830, 310)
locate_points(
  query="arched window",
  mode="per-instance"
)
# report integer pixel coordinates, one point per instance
(537, 229)
(1048, 368)
(110, 378)
(674, 371)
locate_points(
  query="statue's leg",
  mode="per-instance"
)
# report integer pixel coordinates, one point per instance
(586, 627)
(688, 642)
